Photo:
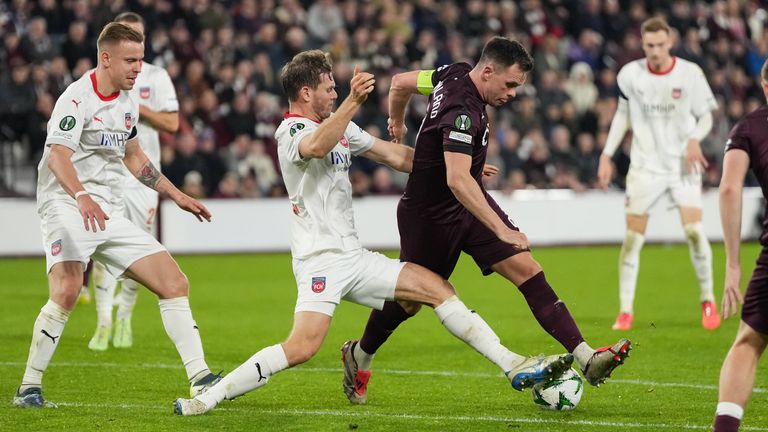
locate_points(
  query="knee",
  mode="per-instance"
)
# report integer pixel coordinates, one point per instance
(177, 286)
(411, 308)
(65, 289)
(750, 339)
(299, 351)
(630, 248)
(530, 270)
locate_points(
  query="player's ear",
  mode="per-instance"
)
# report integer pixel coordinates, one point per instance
(104, 57)
(304, 94)
(488, 71)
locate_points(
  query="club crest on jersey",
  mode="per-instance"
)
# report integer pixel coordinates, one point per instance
(343, 141)
(128, 121)
(56, 247)
(676, 93)
(462, 122)
(318, 284)
(144, 92)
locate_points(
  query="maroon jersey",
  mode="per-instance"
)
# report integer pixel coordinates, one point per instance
(455, 121)
(751, 135)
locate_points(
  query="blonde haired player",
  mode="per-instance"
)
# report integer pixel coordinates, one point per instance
(667, 103)
(91, 134)
(158, 111)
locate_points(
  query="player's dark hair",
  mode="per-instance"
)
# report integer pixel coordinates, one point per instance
(115, 32)
(655, 24)
(129, 17)
(505, 52)
(305, 69)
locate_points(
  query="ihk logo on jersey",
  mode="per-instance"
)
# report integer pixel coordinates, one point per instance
(318, 284)
(56, 247)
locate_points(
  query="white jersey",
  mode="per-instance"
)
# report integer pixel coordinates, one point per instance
(319, 189)
(663, 111)
(153, 89)
(96, 127)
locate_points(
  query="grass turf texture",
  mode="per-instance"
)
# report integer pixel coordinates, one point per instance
(423, 379)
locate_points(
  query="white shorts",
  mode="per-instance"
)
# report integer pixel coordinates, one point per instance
(141, 208)
(361, 276)
(645, 189)
(117, 247)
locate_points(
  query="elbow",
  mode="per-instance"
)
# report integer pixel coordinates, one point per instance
(314, 151)
(729, 191)
(173, 126)
(454, 183)
(399, 84)
(53, 160)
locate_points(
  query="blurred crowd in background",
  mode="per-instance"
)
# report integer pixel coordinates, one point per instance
(224, 58)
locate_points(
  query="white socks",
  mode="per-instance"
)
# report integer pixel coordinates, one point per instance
(629, 265)
(582, 354)
(45, 338)
(362, 358)
(182, 329)
(730, 409)
(104, 292)
(252, 374)
(126, 300)
(469, 327)
(701, 258)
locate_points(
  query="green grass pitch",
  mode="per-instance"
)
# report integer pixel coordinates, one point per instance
(423, 379)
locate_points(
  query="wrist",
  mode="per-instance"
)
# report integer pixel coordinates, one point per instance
(80, 193)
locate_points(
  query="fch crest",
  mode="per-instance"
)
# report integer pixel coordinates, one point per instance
(318, 284)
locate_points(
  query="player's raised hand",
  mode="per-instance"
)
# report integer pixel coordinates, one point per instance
(193, 206)
(732, 297)
(515, 238)
(361, 85)
(397, 130)
(490, 170)
(604, 172)
(695, 158)
(92, 213)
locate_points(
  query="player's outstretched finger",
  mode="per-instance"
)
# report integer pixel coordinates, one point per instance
(100, 217)
(93, 222)
(204, 212)
(357, 70)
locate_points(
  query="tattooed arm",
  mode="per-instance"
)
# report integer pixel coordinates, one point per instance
(145, 171)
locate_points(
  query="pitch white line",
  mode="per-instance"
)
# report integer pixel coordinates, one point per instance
(385, 372)
(368, 414)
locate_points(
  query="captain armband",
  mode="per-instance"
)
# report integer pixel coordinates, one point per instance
(424, 82)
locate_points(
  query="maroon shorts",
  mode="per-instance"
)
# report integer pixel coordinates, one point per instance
(437, 245)
(755, 310)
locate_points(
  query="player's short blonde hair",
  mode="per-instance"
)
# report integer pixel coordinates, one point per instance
(655, 24)
(115, 32)
(305, 69)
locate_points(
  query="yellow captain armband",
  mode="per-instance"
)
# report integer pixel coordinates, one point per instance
(424, 82)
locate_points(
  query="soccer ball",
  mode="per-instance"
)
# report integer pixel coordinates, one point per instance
(562, 394)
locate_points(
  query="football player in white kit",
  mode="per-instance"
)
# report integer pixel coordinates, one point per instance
(667, 103)
(158, 110)
(91, 134)
(315, 149)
